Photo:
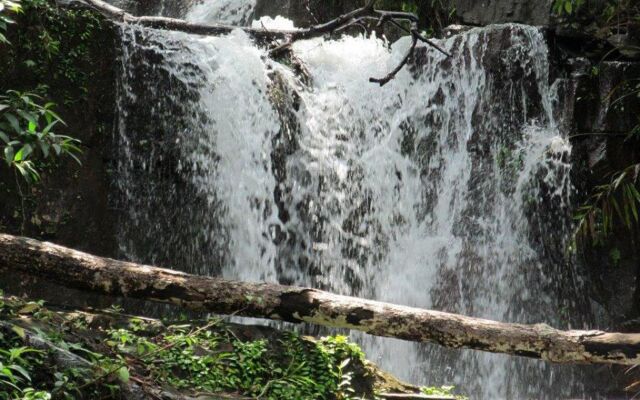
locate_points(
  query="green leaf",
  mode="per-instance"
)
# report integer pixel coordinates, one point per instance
(21, 371)
(8, 154)
(29, 308)
(27, 116)
(23, 153)
(568, 7)
(19, 331)
(32, 126)
(13, 121)
(55, 116)
(635, 192)
(44, 146)
(46, 130)
(123, 374)
(30, 63)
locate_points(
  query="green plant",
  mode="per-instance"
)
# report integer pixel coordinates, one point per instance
(211, 359)
(62, 44)
(27, 134)
(17, 363)
(7, 6)
(566, 6)
(12, 367)
(445, 391)
(617, 200)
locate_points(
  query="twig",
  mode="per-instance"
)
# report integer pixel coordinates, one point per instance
(356, 17)
(392, 74)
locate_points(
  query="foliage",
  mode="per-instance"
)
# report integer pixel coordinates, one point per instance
(27, 133)
(207, 358)
(27, 128)
(12, 6)
(620, 15)
(617, 200)
(27, 374)
(567, 6)
(200, 359)
(445, 391)
(212, 359)
(14, 362)
(601, 19)
(59, 47)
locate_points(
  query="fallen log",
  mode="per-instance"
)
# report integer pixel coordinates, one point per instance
(79, 270)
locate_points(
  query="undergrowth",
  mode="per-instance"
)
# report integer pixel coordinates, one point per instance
(75, 355)
(58, 47)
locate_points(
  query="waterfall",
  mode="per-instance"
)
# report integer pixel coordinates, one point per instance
(448, 188)
(233, 12)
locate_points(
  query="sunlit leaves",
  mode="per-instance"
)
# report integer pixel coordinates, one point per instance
(6, 7)
(566, 6)
(27, 134)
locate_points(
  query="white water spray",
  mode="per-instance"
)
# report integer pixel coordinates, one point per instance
(439, 190)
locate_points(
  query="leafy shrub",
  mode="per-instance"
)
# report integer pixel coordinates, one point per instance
(27, 133)
(27, 136)
(7, 6)
(211, 359)
(617, 200)
(566, 6)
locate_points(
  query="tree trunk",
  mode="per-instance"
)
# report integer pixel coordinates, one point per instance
(79, 270)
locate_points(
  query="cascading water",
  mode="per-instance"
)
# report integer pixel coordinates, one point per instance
(448, 188)
(234, 12)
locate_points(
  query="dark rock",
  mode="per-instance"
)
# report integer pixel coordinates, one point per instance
(71, 205)
(485, 12)
(601, 120)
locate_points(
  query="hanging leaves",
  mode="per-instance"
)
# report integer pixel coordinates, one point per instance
(27, 134)
(615, 202)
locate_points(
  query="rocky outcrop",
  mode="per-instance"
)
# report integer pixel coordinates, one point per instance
(71, 204)
(485, 12)
(602, 119)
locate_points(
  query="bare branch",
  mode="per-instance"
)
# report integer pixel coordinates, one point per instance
(357, 17)
(405, 60)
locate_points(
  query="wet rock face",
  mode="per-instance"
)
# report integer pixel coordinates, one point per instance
(485, 12)
(600, 106)
(166, 8)
(71, 204)
(153, 176)
(305, 12)
(601, 119)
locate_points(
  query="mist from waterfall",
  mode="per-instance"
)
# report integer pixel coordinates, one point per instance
(448, 188)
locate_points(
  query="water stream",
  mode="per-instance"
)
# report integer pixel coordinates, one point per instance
(449, 188)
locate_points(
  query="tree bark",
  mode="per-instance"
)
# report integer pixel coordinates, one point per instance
(79, 270)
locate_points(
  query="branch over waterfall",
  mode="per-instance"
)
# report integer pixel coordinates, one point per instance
(79, 270)
(359, 17)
